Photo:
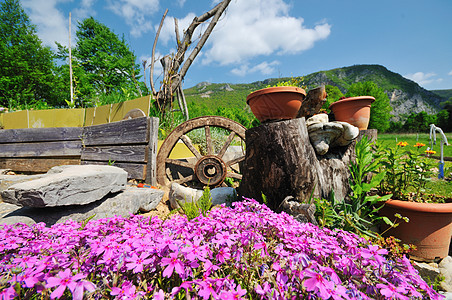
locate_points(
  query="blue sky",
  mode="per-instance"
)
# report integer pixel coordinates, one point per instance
(260, 39)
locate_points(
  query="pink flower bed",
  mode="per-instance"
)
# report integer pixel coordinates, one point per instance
(243, 252)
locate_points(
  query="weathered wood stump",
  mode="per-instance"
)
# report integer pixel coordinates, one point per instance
(280, 161)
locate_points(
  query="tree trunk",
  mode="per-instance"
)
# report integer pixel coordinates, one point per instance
(280, 161)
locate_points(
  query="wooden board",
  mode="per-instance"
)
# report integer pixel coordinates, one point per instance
(36, 165)
(131, 131)
(44, 149)
(40, 135)
(123, 153)
(134, 170)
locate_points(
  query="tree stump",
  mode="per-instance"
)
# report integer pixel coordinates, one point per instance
(280, 161)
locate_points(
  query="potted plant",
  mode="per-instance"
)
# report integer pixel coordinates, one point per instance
(353, 110)
(430, 216)
(279, 102)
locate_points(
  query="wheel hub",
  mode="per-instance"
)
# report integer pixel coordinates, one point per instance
(210, 170)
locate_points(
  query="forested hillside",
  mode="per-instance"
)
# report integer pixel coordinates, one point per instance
(405, 95)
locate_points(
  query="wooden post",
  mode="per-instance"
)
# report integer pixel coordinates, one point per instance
(151, 168)
(280, 161)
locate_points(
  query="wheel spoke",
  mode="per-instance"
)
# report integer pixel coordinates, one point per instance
(208, 140)
(190, 146)
(181, 163)
(226, 144)
(234, 161)
(184, 179)
(234, 175)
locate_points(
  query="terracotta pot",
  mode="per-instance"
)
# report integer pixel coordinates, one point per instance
(429, 228)
(353, 110)
(276, 103)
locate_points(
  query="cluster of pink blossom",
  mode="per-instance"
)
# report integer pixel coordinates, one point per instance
(242, 252)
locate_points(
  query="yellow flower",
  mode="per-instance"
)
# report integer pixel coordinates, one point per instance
(430, 151)
(402, 144)
(419, 145)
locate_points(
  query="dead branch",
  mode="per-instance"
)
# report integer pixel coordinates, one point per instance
(173, 73)
(151, 76)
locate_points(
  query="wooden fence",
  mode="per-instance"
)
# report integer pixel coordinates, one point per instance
(129, 144)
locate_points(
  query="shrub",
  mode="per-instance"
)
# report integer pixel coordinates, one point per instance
(246, 251)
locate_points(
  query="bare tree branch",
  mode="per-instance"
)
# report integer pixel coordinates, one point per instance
(173, 73)
(151, 76)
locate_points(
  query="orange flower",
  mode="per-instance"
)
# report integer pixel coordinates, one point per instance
(419, 145)
(402, 144)
(430, 152)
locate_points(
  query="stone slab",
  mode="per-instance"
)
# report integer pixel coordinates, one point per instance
(67, 185)
(130, 201)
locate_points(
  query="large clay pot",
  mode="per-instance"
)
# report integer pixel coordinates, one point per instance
(429, 228)
(276, 103)
(353, 110)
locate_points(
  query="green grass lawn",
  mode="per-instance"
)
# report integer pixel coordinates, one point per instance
(412, 138)
(436, 186)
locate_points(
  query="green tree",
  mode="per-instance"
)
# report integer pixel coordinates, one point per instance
(27, 67)
(334, 93)
(380, 109)
(106, 61)
(419, 122)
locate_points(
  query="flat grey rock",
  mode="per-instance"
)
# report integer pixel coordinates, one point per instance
(181, 194)
(130, 201)
(67, 185)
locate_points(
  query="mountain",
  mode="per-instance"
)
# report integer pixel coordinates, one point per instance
(447, 94)
(405, 95)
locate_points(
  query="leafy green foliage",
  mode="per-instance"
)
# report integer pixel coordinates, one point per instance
(407, 171)
(380, 109)
(27, 72)
(334, 94)
(359, 213)
(199, 207)
(102, 64)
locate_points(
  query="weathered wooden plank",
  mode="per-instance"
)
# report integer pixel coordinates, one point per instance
(135, 171)
(40, 134)
(45, 149)
(36, 165)
(123, 153)
(130, 131)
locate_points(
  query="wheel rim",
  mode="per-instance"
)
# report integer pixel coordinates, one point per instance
(209, 169)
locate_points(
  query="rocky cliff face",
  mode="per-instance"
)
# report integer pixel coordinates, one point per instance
(405, 95)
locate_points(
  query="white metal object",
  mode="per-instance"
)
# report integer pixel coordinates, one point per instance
(433, 130)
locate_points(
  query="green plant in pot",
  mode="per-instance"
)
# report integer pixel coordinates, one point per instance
(407, 170)
(279, 102)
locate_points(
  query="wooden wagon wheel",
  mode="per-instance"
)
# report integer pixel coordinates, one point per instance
(208, 168)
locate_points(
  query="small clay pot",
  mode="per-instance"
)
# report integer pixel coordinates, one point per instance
(353, 110)
(276, 103)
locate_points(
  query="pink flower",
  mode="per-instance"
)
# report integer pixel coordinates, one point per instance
(63, 281)
(136, 262)
(392, 292)
(172, 263)
(126, 291)
(206, 288)
(316, 283)
(160, 295)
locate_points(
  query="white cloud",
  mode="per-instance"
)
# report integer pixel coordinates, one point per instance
(136, 13)
(423, 78)
(450, 73)
(85, 10)
(51, 24)
(264, 68)
(260, 27)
